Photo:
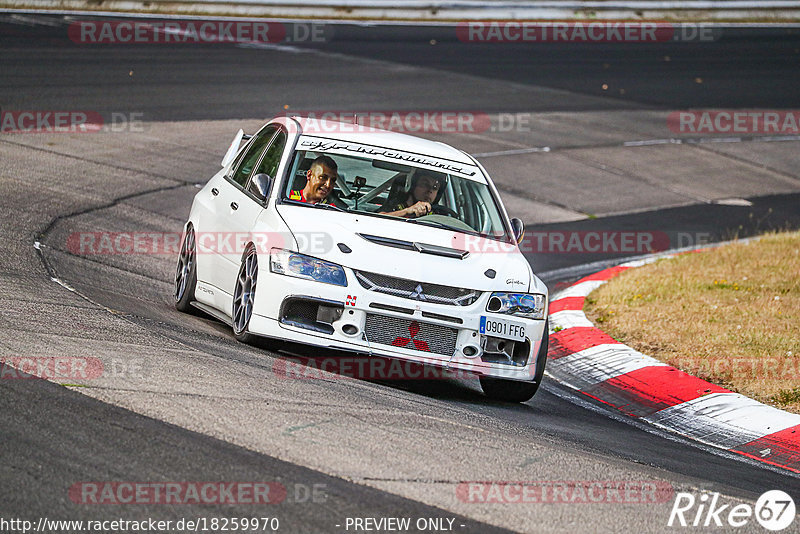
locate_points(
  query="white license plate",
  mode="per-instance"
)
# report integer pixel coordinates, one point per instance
(502, 328)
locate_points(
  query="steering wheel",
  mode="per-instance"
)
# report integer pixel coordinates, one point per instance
(437, 209)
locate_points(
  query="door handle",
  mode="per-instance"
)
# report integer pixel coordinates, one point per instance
(234, 206)
(214, 191)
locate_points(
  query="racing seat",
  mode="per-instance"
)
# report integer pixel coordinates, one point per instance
(398, 192)
(299, 179)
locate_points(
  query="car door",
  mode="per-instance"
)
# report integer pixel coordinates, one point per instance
(231, 210)
(246, 205)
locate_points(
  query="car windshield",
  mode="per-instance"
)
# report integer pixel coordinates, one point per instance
(386, 189)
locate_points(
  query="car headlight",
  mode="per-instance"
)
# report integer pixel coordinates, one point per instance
(528, 305)
(301, 266)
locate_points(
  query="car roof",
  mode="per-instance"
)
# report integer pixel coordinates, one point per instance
(353, 133)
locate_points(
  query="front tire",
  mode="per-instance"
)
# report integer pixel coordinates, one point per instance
(244, 294)
(512, 390)
(186, 273)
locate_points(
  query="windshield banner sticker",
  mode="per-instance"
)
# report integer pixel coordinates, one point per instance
(355, 148)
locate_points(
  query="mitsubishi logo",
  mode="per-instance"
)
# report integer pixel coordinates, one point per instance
(417, 293)
(413, 330)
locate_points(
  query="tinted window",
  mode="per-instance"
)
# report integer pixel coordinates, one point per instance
(251, 155)
(272, 158)
(269, 165)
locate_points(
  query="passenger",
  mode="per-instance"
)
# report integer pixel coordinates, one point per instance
(425, 191)
(321, 179)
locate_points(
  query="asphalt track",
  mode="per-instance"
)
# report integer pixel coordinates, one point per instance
(202, 407)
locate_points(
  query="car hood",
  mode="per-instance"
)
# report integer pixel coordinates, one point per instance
(319, 233)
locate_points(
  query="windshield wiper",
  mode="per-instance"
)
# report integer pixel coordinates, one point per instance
(329, 207)
(320, 205)
(438, 224)
(434, 224)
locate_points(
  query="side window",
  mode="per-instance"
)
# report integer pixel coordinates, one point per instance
(269, 165)
(250, 158)
(270, 161)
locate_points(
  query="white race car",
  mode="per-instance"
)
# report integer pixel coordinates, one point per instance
(379, 243)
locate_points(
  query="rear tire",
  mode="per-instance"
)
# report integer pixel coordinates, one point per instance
(186, 273)
(512, 390)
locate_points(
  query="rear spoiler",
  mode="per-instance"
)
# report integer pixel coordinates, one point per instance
(234, 148)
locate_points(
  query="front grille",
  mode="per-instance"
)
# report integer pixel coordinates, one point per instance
(420, 291)
(399, 332)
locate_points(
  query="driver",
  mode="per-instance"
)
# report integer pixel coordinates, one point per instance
(321, 179)
(426, 188)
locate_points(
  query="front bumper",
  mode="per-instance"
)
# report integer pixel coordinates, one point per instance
(359, 320)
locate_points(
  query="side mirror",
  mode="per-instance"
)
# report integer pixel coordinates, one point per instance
(518, 228)
(260, 185)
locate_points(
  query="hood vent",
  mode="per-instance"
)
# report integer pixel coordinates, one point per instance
(423, 248)
(388, 241)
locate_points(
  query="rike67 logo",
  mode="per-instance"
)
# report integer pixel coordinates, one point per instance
(774, 510)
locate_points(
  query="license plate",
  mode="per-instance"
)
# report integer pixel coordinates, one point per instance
(502, 328)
